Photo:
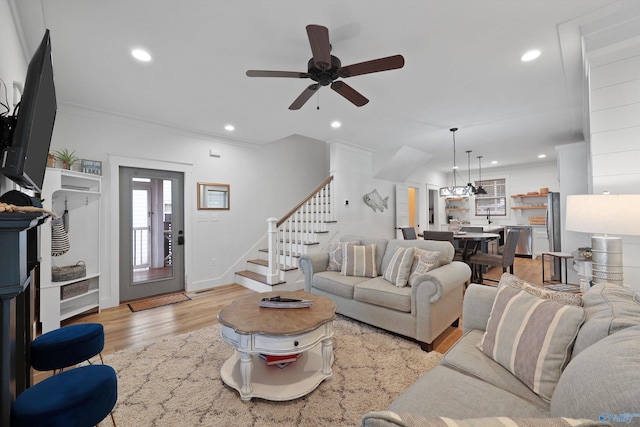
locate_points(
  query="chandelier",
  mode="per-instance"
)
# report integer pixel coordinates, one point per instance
(470, 188)
(480, 190)
(454, 190)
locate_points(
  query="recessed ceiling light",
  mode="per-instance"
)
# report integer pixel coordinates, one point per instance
(336, 124)
(141, 55)
(542, 156)
(229, 128)
(530, 55)
(494, 162)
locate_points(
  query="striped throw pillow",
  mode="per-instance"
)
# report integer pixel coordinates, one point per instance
(397, 271)
(531, 337)
(359, 261)
(335, 255)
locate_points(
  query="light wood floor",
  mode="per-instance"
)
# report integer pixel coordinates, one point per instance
(125, 329)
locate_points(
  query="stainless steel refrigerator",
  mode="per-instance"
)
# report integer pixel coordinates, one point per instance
(554, 232)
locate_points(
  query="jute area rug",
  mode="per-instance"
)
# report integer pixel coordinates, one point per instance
(176, 382)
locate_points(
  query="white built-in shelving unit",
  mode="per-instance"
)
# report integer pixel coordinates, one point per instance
(79, 194)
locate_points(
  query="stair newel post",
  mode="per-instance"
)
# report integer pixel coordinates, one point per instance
(273, 274)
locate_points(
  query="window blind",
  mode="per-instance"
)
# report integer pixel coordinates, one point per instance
(495, 201)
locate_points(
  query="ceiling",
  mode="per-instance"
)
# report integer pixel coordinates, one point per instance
(462, 69)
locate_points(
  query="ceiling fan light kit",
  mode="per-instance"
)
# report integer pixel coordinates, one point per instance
(326, 69)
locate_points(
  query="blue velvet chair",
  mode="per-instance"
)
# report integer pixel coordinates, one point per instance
(80, 397)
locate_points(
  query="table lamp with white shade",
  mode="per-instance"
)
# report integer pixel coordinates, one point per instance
(602, 215)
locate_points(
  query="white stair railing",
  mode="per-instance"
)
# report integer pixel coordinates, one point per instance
(288, 236)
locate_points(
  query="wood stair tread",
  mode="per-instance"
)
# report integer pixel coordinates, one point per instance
(257, 277)
(295, 242)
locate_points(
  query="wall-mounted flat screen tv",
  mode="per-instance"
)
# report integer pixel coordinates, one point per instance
(25, 149)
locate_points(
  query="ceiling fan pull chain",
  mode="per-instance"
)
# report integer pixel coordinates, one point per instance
(318, 100)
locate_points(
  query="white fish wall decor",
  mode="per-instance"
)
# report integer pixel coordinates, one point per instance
(375, 201)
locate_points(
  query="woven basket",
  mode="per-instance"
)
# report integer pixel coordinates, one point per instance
(68, 272)
(74, 289)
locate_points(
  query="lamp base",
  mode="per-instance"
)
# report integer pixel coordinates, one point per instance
(607, 259)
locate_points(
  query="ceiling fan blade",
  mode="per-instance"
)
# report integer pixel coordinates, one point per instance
(304, 97)
(320, 47)
(266, 73)
(350, 93)
(373, 66)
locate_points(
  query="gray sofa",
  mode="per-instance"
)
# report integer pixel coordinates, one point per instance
(601, 381)
(421, 311)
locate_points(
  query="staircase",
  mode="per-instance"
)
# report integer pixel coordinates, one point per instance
(305, 229)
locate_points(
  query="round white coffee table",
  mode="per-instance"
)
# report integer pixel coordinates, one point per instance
(255, 330)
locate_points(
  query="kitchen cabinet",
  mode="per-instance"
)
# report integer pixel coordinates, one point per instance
(540, 241)
(79, 194)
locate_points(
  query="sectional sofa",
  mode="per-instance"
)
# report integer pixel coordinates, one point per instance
(532, 357)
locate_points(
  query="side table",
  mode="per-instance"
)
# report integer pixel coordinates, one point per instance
(555, 255)
(583, 268)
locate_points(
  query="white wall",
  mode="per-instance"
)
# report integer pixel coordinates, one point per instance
(265, 182)
(614, 83)
(352, 170)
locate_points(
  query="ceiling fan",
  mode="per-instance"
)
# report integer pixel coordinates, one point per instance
(325, 69)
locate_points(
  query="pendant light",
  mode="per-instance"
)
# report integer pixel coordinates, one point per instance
(454, 190)
(480, 190)
(470, 188)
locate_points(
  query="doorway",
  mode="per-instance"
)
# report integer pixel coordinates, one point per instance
(151, 232)
(408, 209)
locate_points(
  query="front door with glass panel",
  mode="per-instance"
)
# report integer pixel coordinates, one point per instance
(151, 232)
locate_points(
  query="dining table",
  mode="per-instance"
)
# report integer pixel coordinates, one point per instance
(474, 241)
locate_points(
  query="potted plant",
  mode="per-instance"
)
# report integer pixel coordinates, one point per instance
(65, 157)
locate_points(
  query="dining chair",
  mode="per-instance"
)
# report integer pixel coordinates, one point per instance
(409, 233)
(505, 260)
(441, 236)
(470, 246)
